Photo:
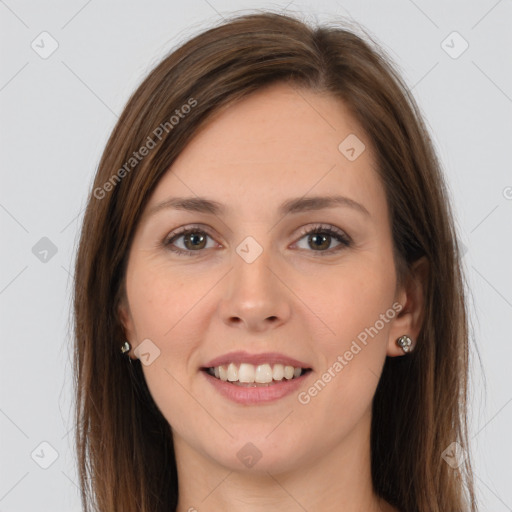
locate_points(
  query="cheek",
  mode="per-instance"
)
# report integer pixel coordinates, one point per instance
(350, 298)
(159, 300)
(162, 308)
(357, 308)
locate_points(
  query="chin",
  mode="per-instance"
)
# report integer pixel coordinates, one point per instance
(258, 454)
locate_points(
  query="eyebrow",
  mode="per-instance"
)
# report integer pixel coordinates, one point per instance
(290, 206)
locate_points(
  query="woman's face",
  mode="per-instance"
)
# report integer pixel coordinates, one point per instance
(252, 288)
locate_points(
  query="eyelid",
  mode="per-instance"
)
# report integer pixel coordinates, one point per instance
(185, 229)
(324, 228)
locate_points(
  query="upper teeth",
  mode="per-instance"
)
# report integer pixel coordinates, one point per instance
(262, 373)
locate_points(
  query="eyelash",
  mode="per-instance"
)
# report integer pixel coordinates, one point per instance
(344, 240)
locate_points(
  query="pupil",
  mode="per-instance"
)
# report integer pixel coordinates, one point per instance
(195, 239)
(319, 241)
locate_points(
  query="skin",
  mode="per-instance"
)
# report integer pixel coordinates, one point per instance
(277, 144)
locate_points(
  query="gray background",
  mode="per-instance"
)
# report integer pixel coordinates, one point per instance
(56, 115)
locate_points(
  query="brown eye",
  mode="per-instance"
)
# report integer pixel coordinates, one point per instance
(194, 241)
(188, 241)
(320, 238)
(319, 241)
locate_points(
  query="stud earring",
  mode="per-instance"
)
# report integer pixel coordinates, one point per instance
(405, 343)
(125, 347)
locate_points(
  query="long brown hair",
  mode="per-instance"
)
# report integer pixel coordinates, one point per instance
(124, 444)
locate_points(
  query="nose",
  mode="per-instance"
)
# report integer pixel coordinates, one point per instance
(255, 298)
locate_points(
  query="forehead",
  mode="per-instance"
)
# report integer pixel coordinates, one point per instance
(279, 142)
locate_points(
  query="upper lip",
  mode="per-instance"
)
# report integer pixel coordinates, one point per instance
(256, 359)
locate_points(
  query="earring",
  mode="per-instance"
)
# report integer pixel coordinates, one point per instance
(405, 343)
(125, 347)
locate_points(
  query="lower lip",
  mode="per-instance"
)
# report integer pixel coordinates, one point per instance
(257, 394)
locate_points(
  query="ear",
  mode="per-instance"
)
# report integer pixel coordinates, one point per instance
(123, 310)
(412, 299)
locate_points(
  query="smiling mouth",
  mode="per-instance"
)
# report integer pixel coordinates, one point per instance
(249, 375)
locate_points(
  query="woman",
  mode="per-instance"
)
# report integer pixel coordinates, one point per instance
(269, 304)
